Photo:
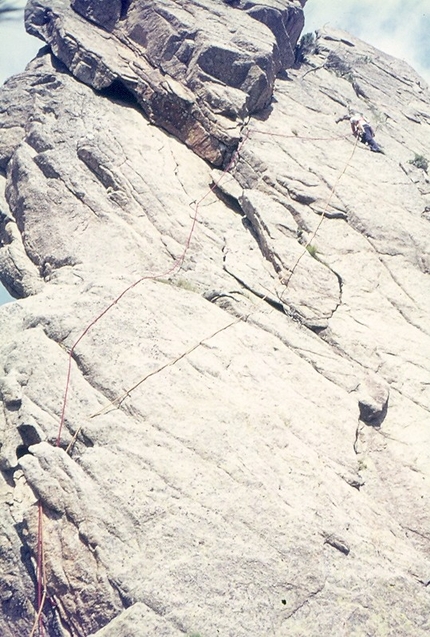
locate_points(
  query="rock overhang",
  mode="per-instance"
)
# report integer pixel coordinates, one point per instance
(292, 444)
(197, 69)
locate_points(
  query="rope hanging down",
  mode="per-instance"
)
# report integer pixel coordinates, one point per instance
(41, 563)
(40, 574)
(41, 583)
(116, 402)
(161, 275)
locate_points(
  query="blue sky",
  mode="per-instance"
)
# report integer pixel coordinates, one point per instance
(4, 296)
(399, 27)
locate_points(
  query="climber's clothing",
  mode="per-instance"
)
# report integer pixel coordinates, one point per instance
(358, 124)
(368, 137)
(363, 130)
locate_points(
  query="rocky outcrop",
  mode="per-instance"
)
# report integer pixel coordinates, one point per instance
(240, 445)
(198, 68)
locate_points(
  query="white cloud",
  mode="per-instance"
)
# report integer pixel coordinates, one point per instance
(398, 27)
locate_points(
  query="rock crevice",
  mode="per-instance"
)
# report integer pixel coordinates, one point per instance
(253, 465)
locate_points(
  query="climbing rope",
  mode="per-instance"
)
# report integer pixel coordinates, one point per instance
(117, 402)
(41, 568)
(176, 266)
(324, 212)
(40, 574)
(300, 137)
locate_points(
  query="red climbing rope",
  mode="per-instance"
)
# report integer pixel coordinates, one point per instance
(300, 137)
(40, 568)
(176, 266)
(40, 575)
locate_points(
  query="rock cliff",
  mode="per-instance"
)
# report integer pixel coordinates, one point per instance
(215, 378)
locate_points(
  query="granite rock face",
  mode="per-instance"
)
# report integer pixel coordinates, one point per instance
(241, 446)
(197, 68)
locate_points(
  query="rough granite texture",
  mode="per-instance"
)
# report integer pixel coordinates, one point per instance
(198, 68)
(245, 449)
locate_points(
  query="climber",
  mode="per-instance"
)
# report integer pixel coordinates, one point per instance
(364, 132)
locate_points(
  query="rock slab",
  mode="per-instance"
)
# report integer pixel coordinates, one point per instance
(244, 448)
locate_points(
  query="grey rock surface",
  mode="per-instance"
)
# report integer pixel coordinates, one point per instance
(197, 68)
(245, 442)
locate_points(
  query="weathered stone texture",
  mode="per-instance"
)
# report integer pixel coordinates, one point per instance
(245, 448)
(197, 68)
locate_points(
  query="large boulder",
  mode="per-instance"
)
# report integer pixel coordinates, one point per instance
(197, 69)
(214, 384)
